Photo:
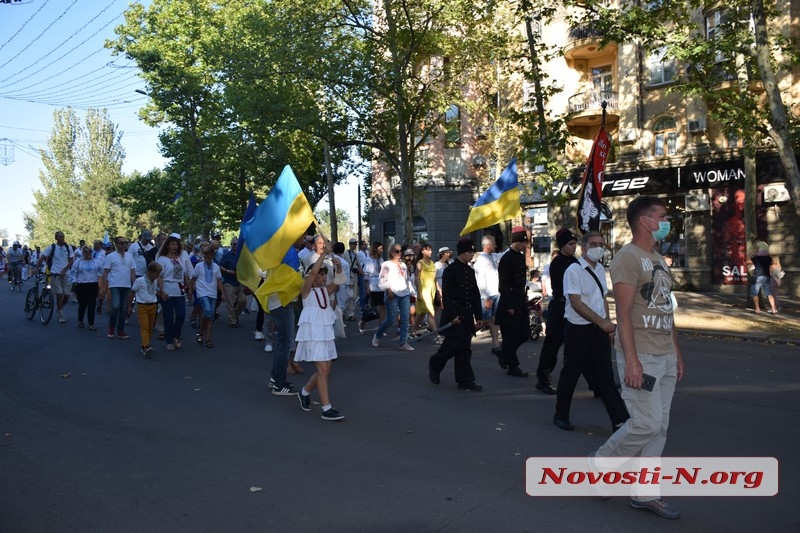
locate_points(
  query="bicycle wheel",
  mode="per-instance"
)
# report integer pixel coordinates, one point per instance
(46, 306)
(30, 304)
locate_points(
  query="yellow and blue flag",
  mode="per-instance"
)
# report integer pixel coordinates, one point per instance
(246, 266)
(499, 203)
(279, 221)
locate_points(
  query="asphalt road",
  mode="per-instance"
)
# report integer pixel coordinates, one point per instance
(94, 438)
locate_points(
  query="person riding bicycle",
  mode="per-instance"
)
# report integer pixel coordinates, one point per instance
(15, 257)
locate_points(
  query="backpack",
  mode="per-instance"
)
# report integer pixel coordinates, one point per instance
(52, 253)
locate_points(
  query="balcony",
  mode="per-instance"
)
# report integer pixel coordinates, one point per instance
(586, 109)
(583, 42)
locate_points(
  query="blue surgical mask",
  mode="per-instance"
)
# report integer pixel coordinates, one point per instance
(663, 229)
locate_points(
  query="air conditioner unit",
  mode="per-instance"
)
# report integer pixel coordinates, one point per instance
(697, 202)
(775, 193)
(697, 126)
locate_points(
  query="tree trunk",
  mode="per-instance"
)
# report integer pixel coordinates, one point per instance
(779, 131)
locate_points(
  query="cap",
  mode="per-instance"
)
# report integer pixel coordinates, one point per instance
(175, 236)
(564, 236)
(147, 235)
(409, 251)
(444, 250)
(352, 240)
(518, 234)
(465, 245)
(760, 245)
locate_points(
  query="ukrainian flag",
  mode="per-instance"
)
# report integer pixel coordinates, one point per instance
(499, 203)
(279, 221)
(246, 266)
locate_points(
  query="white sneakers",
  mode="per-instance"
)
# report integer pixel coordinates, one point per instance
(375, 342)
(268, 347)
(406, 347)
(258, 336)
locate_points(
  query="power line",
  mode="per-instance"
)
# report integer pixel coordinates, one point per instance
(23, 25)
(40, 35)
(60, 57)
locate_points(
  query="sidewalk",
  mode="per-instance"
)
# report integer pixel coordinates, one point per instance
(732, 315)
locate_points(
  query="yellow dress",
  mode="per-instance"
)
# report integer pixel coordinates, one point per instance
(427, 287)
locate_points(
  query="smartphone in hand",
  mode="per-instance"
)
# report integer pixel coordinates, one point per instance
(648, 382)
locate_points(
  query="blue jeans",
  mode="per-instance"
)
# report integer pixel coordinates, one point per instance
(362, 294)
(174, 309)
(207, 305)
(762, 283)
(394, 305)
(119, 304)
(284, 333)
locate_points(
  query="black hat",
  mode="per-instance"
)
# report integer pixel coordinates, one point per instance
(564, 236)
(465, 245)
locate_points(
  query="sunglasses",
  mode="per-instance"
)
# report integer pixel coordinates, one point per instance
(396, 250)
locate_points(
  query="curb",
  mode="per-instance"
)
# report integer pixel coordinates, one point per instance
(751, 337)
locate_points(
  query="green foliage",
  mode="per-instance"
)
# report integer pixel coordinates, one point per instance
(82, 165)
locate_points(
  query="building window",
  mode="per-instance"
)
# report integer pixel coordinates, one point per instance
(713, 30)
(733, 140)
(662, 68)
(603, 79)
(666, 137)
(452, 124)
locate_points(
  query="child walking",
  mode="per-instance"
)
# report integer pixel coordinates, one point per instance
(315, 335)
(145, 290)
(207, 283)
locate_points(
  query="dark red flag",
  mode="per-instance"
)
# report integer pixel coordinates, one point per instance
(592, 184)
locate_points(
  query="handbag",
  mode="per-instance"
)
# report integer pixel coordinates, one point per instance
(369, 314)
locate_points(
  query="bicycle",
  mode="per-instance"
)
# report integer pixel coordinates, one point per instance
(15, 278)
(43, 302)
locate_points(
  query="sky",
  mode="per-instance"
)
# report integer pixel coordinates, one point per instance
(52, 56)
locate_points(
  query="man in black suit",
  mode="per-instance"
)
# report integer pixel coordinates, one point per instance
(462, 308)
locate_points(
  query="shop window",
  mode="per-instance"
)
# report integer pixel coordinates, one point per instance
(662, 68)
(673, 247)
(733, 140)
(665, 135)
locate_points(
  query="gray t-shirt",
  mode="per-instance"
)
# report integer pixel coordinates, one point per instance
(652, 312)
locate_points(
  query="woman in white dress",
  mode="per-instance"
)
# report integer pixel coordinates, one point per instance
(315, 335)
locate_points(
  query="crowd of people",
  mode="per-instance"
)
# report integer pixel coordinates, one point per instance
(632, 365)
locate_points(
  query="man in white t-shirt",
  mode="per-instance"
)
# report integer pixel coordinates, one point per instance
(588, 335)
(485, 266)
(119, 273)
(59, 257)
(138, 251)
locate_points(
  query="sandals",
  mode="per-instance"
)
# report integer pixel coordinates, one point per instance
(199, 338)
(208, 344)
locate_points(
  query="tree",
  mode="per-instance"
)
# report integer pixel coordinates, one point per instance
(342, 217)
(234, 120)
(723, 67)
(82, 165)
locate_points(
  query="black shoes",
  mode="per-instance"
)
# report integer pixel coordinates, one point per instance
(517, 372)
(433, 375)
(498, 352)
(545, 388)
(563, 423)
(470, 386)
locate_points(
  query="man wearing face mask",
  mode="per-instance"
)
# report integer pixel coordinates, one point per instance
(646, 343)
(588, 335)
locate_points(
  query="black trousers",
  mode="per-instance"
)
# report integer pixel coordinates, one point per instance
(513, 338)
(457, 345)
(87, 297)
(553, 340)
(587, 351)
